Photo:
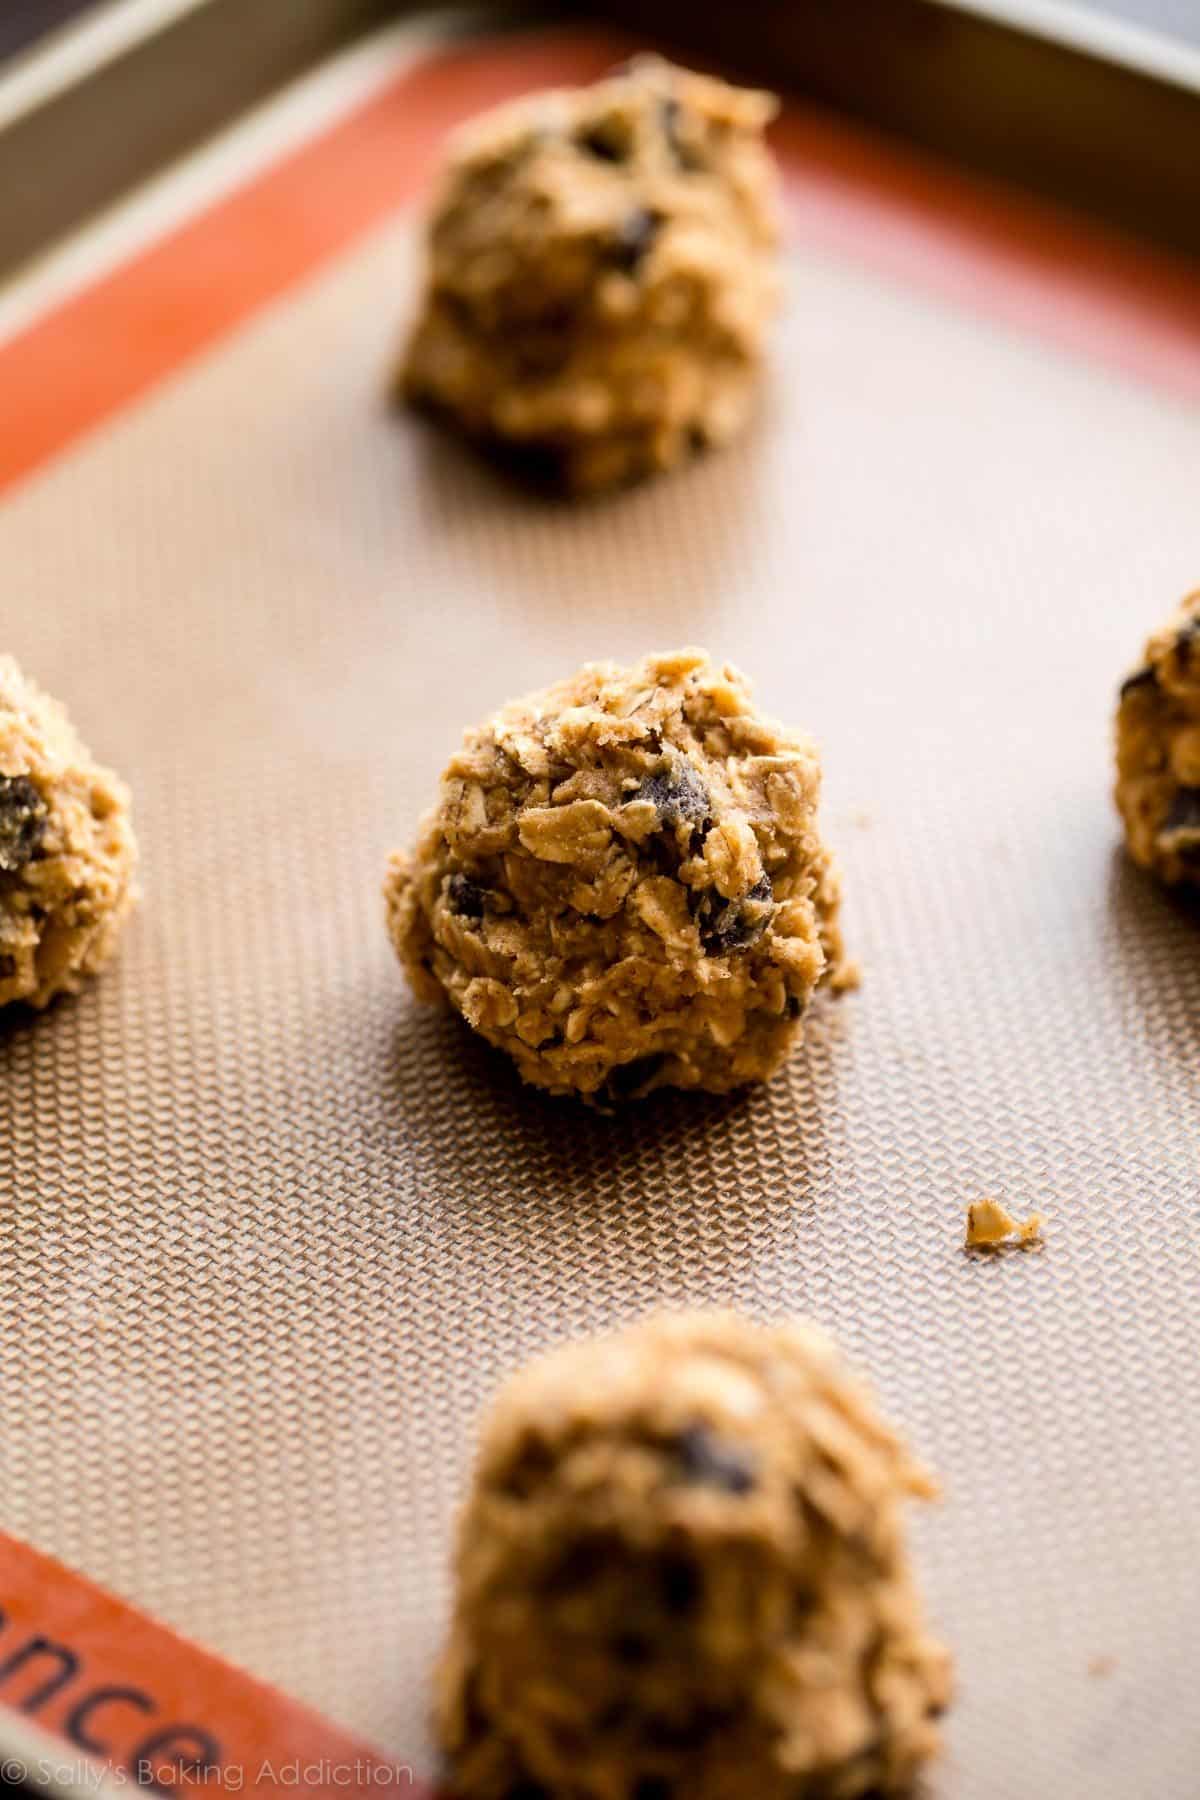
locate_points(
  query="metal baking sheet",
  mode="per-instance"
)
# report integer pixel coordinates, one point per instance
(271, 1234)
(1067, 102)
(1096, 105)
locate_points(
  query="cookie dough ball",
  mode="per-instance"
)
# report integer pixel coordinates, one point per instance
(602, 271)
(67, 851)
(1158, 750)
(682, 1575)
(623, 884)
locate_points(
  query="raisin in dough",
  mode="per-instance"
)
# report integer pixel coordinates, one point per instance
(67, 850)
(682, 1575)
(1158, 750)
(602, 271)
(622, 883)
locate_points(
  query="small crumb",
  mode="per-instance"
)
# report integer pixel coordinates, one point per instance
(991, 1227)
(862, 820)
(846, 978)
(1100, 1666)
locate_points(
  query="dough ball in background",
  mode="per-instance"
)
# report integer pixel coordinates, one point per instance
(1158, 750)
(67, 849)
(601, 275)
(623, 883)
(682, 1575)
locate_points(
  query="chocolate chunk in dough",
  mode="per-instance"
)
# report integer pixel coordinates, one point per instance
(466, 896)
(634, 238)
(22, 822)
(727, 925)
(610, 139)
(1183, 814)
(712, 1463)
(678, 795)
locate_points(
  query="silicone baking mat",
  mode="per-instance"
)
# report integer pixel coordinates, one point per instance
(271, 1234)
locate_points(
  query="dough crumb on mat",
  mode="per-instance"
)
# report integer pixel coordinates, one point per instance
(67, 849)
(602, 268)
(991, 1227)
(1158, 750)
(623, 883)
(846, 978)
(682, 1572)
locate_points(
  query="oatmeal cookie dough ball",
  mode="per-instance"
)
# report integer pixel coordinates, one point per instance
(602, 271)
(622, 883)
(1158, 750)
(682, 1575)
(67, 850)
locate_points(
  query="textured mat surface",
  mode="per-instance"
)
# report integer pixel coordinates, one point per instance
(270, 1234)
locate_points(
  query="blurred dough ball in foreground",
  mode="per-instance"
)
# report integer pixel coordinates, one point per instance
(602, 269)
(1158, 750)
(67, 850)
(623, 883)
(682, 1575)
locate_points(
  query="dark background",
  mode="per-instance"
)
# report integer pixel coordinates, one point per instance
(23, 21)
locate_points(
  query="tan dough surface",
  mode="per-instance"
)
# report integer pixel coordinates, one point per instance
(1158, 750)
(67, 850)
(601, 273)
(682, 1575)
(623, 884)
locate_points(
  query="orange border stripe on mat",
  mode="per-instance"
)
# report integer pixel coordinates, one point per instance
(108, 345)
(1000, 253)
(993, 249)
(120, 1691)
